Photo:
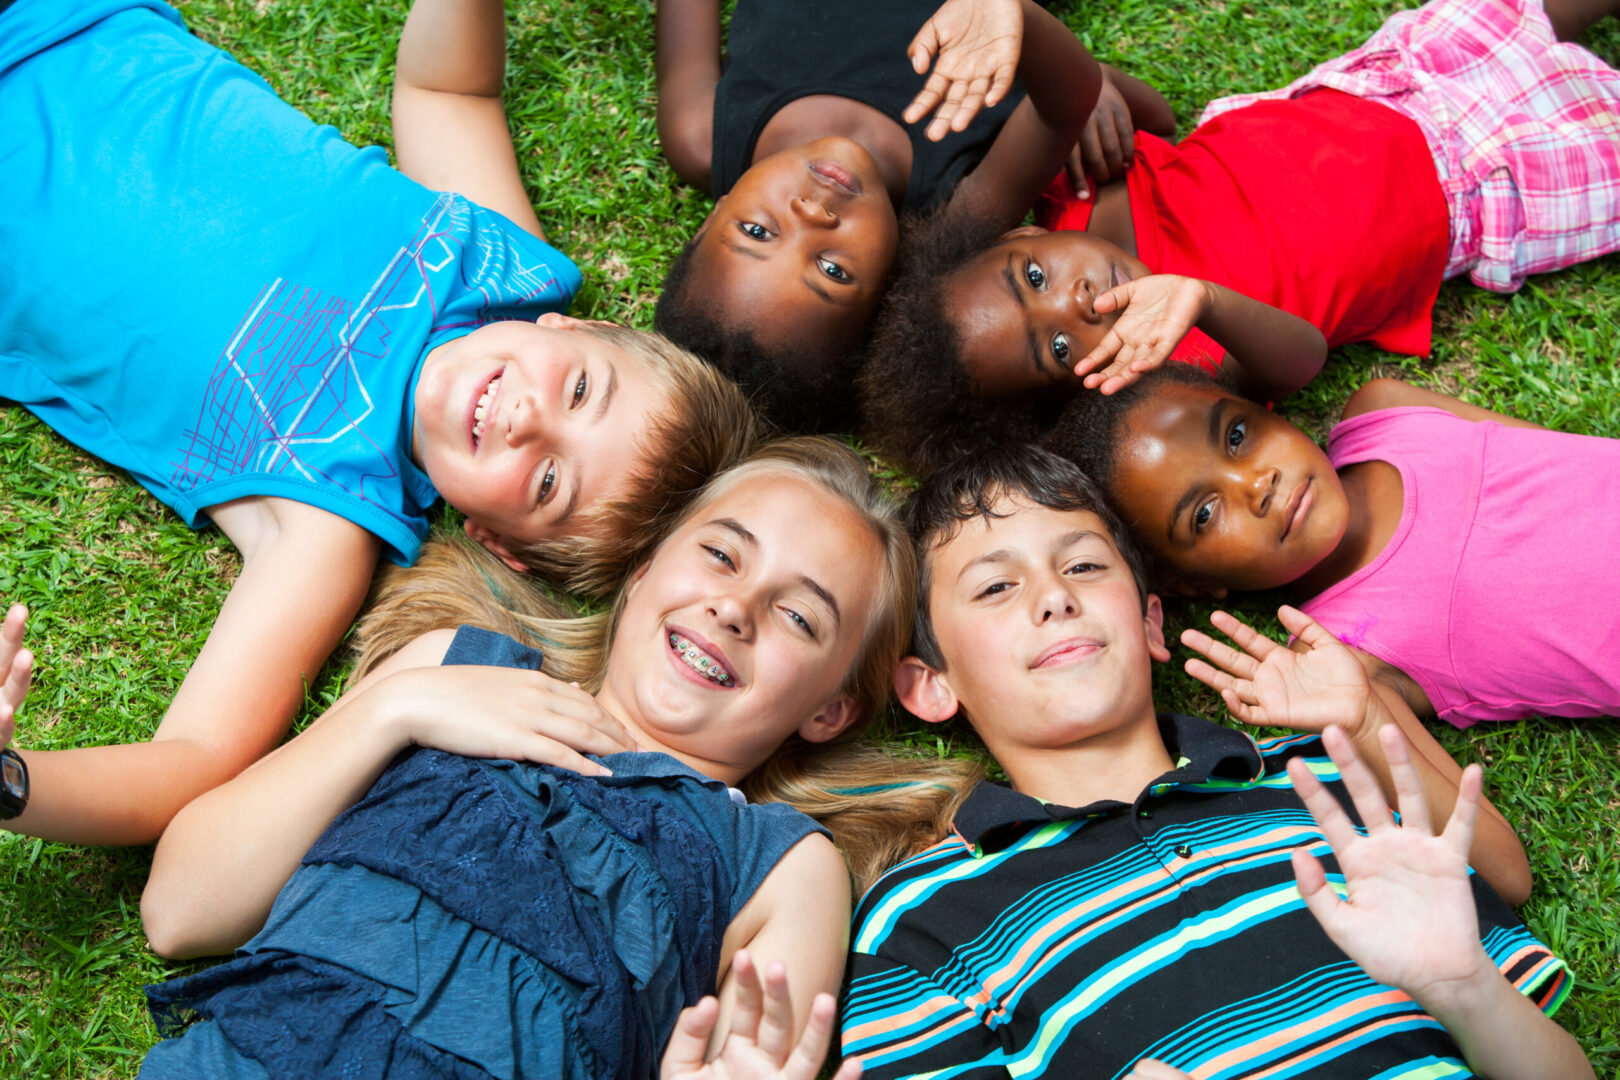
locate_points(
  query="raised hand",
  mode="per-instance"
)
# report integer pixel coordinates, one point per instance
(1155, 313)
(16, 671)
(760, 1044)
(1266, 683)
(973, 46)
(1108, 142)
(1409, 918)
(499, 712)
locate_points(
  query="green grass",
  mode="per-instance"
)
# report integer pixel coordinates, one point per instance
(123, 594)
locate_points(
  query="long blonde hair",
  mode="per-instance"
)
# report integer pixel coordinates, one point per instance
(707, 427)
(879, 806)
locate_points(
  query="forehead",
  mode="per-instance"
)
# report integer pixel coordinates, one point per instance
(771, 291)
(1023, 530)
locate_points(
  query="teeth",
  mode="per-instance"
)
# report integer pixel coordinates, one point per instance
(698, 660)
(482, 408)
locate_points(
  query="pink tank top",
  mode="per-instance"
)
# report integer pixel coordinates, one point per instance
(1500, 590)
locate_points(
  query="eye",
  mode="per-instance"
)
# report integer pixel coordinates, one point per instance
(1034, 275)
(833, 270)
(995, 588)
(548, 483)
(579, 391)
(1202, 516)
(1085, 567)
(1060, 347)
(720, 557)
(753, 230)
(1236, 434)
(801, 622)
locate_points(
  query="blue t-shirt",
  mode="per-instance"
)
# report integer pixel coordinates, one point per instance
(204, 287)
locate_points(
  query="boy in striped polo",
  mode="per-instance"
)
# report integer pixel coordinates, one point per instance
(1133, 894)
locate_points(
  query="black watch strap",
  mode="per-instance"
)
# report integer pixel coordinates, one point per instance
(13, 784)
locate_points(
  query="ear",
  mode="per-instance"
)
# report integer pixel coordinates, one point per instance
(924, 692)
(1021, 232)
(831, 721)
(556, 320)
(494, 543)
(1153, 621)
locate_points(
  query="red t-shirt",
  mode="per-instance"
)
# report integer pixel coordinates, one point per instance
(1326, 206)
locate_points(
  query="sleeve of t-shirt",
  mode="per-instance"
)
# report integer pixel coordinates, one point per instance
(1201, 350)
(898, 1022)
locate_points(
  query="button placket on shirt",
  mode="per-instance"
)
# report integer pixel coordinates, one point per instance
(1173, 859)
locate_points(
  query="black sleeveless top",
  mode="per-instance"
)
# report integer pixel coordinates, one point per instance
(778, 52)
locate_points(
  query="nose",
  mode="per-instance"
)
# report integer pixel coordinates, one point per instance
(733, 610)
(813, 212)
(1084, 299)
(1262, 490)
(523, 420)
(1054, 600)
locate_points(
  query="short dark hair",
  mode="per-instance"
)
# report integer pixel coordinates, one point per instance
(1089, 430)
(915, 396)
(799, 390)
(970, 487)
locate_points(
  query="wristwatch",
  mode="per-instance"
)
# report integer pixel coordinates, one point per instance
(13, 784)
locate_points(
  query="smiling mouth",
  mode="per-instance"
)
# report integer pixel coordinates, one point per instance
(1298, 507)
(481, 409)
(1070, 651)
(690, 654)
(837, 175)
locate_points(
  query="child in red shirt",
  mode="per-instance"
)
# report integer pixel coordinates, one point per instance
(1465, 136)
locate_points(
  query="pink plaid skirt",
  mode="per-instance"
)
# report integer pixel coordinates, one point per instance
(1524, 130)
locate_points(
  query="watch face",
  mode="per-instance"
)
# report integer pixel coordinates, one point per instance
(12, 777)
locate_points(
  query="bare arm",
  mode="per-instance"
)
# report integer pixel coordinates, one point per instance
(298, 591)
(1393, 394)
(799, 917)
(450, 130)
(1061, 82)
(226, 856)
(688, 58)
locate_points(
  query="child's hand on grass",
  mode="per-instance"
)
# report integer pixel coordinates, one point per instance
(1107, 144)
(16, 668)
(973, 46)
(1268, 684)
(1155, 313)
(760, 1044)
(1409, 918)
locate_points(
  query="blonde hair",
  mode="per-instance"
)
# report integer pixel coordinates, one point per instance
(879, 806)
(707, 427)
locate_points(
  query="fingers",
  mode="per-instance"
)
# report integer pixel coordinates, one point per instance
(922, 50)
(748, 1003)
(1358, 780)
(811, 1050)
(1148, 1069)
(776, 1027)
(1323, 807)
(689, 1042)
(1075, 166)
(1250, 640)
(1459, 832)
(927, 99)
(1321, 901)
(1305, 628)
(1102, 352)
(1410, 796)
(1242, 665)
(963, 99)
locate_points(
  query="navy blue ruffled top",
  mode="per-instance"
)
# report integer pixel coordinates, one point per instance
(472, 918)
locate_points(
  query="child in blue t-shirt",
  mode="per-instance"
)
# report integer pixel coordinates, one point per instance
(275, 331)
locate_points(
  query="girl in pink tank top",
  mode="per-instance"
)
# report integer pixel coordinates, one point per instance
(1468, 554)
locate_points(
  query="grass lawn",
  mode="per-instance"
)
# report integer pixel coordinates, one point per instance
(123, 593)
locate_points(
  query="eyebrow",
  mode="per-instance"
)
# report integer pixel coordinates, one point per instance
(811, 284)
(1011, 277)
(742, 533)
(740, 249)
(1217, 417)
(1001, 555)
(607, 394)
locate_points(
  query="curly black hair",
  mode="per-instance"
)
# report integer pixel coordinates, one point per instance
(915, 397)
(970, 487)
(800, 390)
(1088, 430)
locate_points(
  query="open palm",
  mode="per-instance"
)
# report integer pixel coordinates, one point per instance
(973, 47)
